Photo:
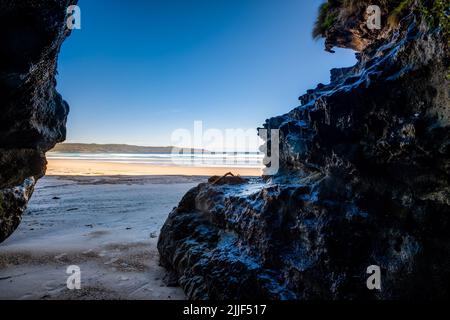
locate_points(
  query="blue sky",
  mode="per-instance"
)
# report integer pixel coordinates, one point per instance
(138, 70)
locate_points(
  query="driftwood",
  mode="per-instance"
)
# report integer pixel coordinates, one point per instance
(228, 178)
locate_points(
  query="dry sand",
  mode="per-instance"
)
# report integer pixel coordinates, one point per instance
(108, 226)
(57, 167)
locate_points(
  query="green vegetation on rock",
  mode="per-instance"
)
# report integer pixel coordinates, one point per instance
(437, 15)
(436, 12)
(325, 19)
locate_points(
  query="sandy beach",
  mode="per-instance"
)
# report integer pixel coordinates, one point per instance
(106, 225)
(57, 167)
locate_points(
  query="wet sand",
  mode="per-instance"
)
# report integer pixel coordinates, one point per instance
(58, 167)
(108, 226)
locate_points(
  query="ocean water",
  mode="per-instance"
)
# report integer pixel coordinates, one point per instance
(222, 159)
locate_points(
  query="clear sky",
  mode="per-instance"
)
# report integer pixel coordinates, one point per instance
(140, 69)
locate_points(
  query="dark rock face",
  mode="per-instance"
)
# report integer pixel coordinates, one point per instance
(33, 114)
(364, 180)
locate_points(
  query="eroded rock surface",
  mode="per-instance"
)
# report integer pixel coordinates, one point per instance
(364, 180)
(32, 114)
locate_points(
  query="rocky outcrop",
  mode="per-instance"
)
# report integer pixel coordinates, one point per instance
(363, 180)
(33, 114)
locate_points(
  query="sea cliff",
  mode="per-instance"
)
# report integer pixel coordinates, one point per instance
(363, 179)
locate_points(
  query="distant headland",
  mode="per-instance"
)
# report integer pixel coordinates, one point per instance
(116, 148)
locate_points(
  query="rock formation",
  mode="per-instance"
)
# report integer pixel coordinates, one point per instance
(33, 115)
(363, 180)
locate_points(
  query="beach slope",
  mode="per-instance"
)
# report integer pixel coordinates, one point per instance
(108, 226)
